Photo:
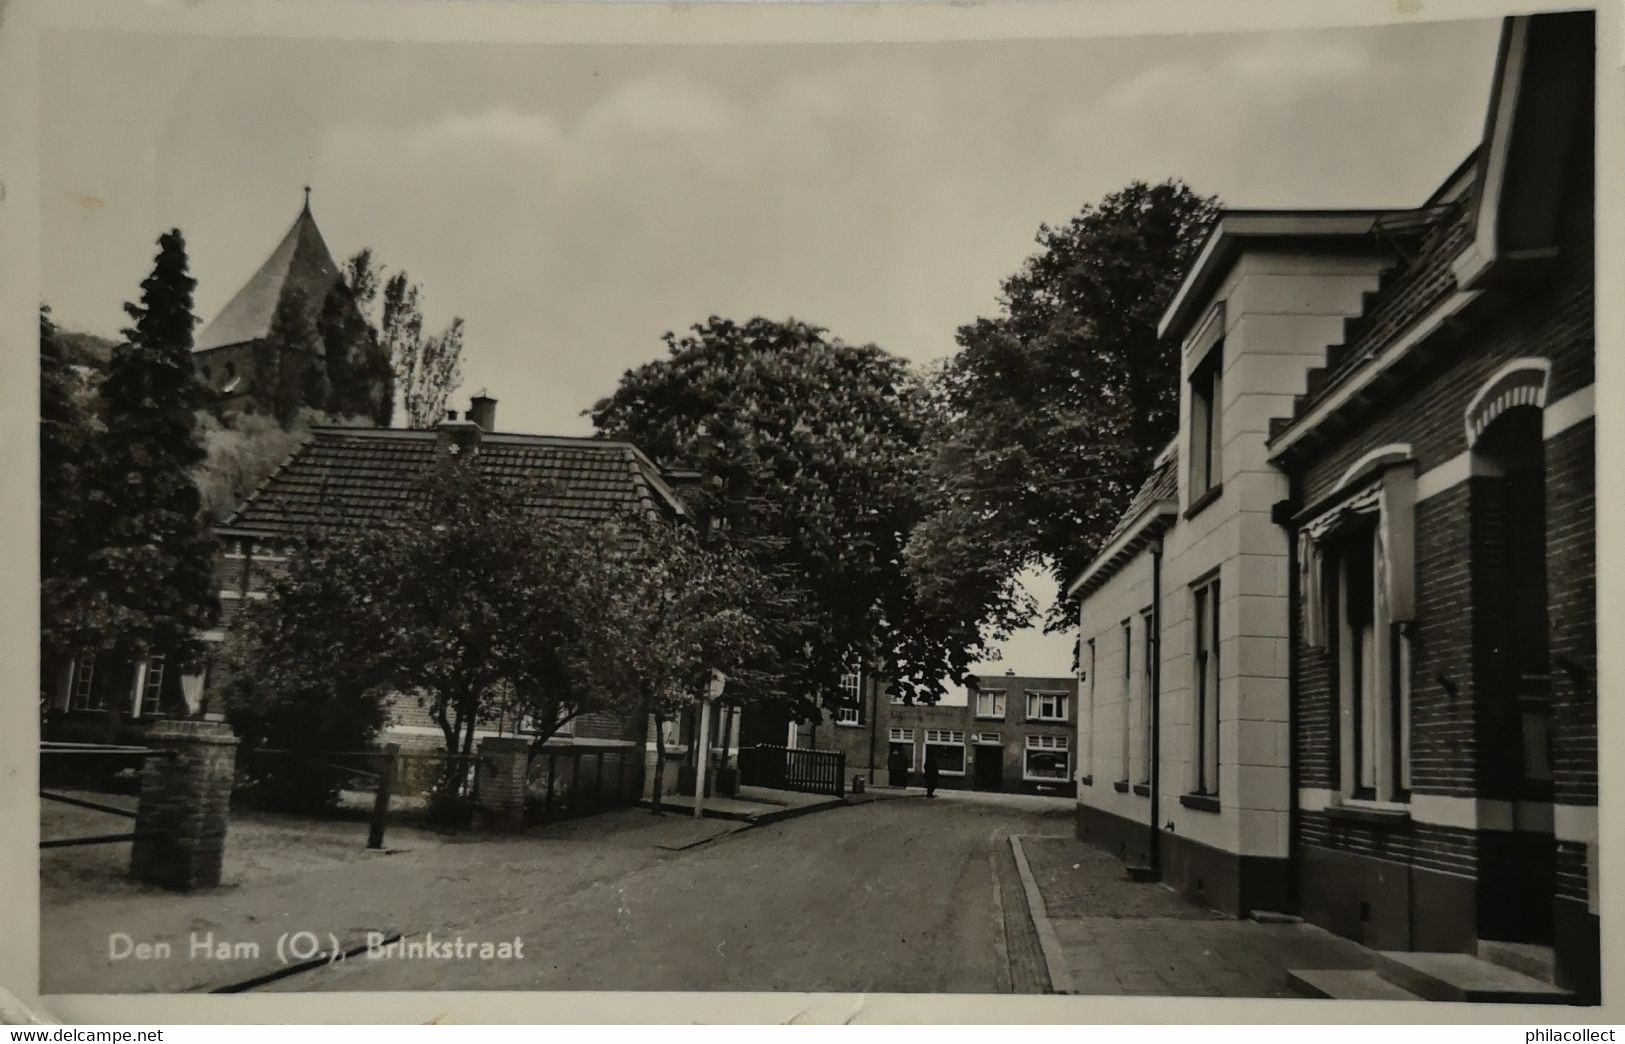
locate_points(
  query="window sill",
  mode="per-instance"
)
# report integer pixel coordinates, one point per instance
(1143, 789)
(1204, 500)
(1380, 815)
(1200, 802)
(849, 724)
(1120, 785)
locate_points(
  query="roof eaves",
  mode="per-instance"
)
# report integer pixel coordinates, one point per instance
(1156, 517)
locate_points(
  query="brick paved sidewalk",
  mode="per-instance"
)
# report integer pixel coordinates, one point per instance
(1119, 937)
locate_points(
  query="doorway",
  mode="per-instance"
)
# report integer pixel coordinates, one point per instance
(989, 768)
(1517, 868)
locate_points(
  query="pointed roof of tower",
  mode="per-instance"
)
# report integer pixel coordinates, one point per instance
(301, 261)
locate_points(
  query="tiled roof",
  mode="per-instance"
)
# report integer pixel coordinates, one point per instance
(301, 261)
(1161, 485)
(354, 477)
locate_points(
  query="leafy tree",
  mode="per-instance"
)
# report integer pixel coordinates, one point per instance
(473, 594)
(360, 379)
(150, 570)
(67, 446)
(434, 375)
(288, 368)
(673, 611)
(282, 689)
(812, 451)
(1052, 412)
(427, 369)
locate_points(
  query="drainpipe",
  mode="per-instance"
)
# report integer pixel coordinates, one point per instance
(1156, 705)
(874, 726)
(1281, 514)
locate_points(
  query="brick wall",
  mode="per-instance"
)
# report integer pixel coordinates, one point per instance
(1571, 569)
(1464, 735)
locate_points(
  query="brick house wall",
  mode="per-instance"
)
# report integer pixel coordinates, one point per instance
(1015, 727)
(1419, 861)
(1468, 846)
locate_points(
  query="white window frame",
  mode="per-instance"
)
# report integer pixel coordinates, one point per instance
(901, 735)
(152, 685)
(996, 701)
(1047, 744)
(1386, 664)
(1206, 433)
(83, 695)
(1148, 648)
(1205, 685)
(948, 739)
(850, 714)
(1035, 705)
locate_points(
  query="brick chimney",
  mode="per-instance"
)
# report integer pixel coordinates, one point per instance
(482, 410)
(456, 436)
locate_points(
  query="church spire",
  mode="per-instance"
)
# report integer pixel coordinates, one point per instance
(307, 199)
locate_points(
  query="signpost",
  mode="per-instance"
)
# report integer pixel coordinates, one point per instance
(703, 763)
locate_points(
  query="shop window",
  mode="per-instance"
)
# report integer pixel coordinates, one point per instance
(949, 747)
(1047, 759)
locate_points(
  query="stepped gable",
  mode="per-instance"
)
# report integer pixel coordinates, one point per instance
(1422, 276)
(354, 477)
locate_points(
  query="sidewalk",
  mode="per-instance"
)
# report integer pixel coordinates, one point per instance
(1108, 935)
(755, 805)
(288, 874)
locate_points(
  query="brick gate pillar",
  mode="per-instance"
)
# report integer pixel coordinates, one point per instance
(504, 772)
(185, 805)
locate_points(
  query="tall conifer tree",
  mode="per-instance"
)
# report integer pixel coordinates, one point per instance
(153, 566)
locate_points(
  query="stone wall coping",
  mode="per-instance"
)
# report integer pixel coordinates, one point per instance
(216, 733)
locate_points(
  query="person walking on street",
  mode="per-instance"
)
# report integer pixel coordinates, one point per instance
(931, 774)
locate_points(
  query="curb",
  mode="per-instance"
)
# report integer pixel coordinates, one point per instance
(752, 818)
(1060, 978)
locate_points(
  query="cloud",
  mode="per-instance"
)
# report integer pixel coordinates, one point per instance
(501, 128)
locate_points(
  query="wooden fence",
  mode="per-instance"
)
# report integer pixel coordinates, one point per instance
(793, 768)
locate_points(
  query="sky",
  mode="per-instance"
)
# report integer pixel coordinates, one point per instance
(572, 202)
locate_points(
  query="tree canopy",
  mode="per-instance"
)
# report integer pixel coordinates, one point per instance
(67, 444)
(1052, 412)
(152, 565)
(811, 454)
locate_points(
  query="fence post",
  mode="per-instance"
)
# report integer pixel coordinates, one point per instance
(840, 774)
(185, 805)
(552, 771)
(380, 803)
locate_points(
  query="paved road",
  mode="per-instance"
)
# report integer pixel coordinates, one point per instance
(898, 895)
